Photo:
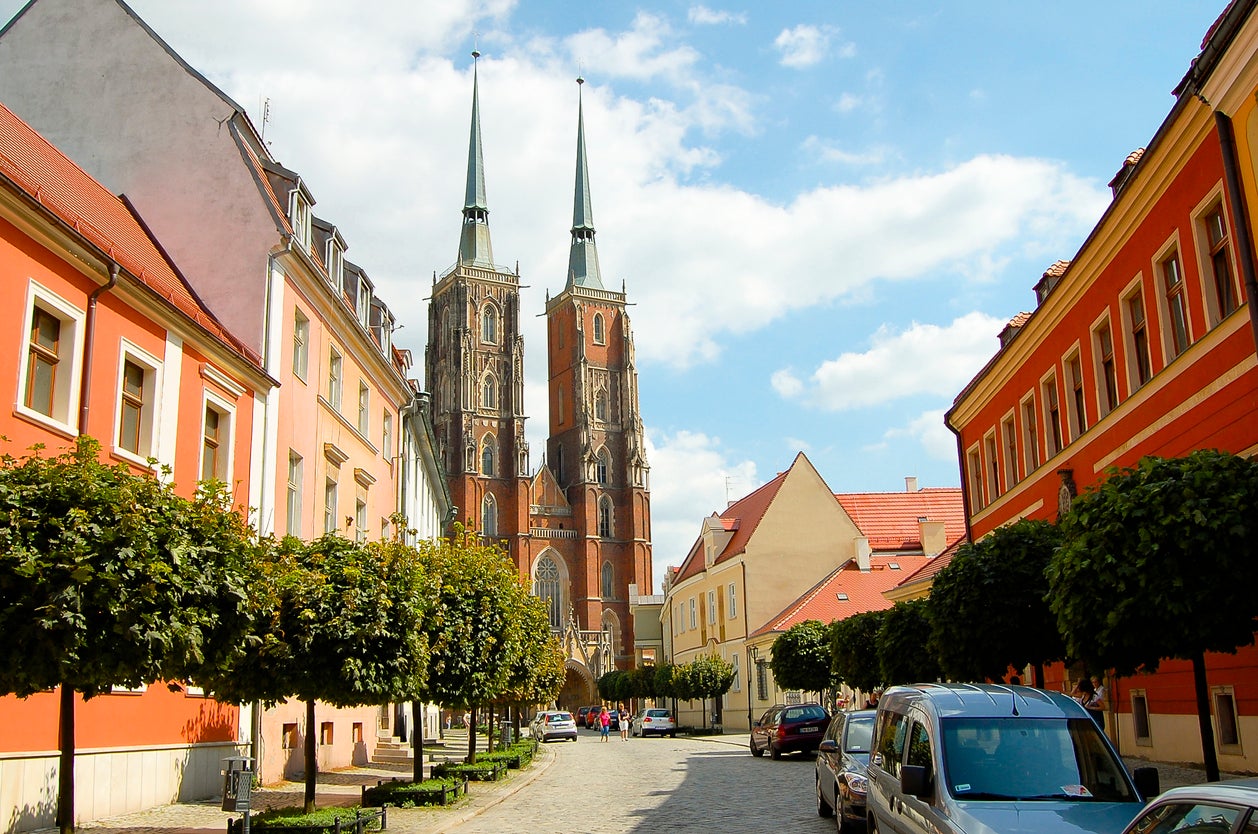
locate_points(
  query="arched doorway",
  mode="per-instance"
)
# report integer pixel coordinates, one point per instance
(578, 687)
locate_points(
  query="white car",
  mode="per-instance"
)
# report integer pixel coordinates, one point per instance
(653, 722)
(550, 724)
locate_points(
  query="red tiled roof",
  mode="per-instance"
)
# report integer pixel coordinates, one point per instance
(934, 566)
(847, 591)
(1019, 320)
(34, 166)
(741, 518)
(889, 519)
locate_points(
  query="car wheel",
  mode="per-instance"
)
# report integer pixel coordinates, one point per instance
(774, 753)
(840, 818)
(672, 735)
(823, 807)
(756, 751)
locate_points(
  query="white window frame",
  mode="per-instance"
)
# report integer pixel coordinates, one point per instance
(991, 465)
(1132, 363)
(711, 607)
(1008, 440)
(1030, 433)
(301, 344)
(489, 515)
(1105, 403)
(227, 435)
(733, 602)
(150, 400)
(360, 519)
(364, 409)
(1054, 437)
(736, 686)
(1171, 249)
(296, 482)
(331, 502)
(1204, 250)
(65, 402)
(1076, 410)
(974, 478)
(336, 377)
(386, 436)
(694, 616)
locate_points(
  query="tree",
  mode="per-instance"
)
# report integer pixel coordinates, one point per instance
(989, 606)
(1160, 561)
(709, 676)
(904, 646)
(537, 674)
(853, 650)
(801, 657)
(342, 623)
(109, 578)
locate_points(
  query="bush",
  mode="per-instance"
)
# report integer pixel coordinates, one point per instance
(410, 794)
(482, 771)
(294, 821)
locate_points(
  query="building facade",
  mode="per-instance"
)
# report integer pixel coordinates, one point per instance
(1142, 344)
(578, 529)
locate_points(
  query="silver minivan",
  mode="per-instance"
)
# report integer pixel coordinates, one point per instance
(994, 759)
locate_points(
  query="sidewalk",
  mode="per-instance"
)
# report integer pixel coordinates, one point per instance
(339, 788)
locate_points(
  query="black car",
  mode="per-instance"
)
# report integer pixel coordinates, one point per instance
(842, 780)
(787, 728)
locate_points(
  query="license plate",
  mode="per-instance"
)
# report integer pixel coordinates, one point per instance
(809, 729)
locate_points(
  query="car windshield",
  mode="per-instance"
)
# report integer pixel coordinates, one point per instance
(561, 716)
(1031, 759)
(803, 713)
(860, 732)
(657, 713)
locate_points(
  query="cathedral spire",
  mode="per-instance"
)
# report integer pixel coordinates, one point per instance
(474, 245)
(583, 256)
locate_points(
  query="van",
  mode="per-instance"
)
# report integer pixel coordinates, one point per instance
(983, 758)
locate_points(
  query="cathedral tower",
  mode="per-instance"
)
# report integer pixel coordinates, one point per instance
(474, 366)
(595, 451)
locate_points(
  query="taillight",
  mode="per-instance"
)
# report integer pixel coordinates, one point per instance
(781, 733)
(646, 720)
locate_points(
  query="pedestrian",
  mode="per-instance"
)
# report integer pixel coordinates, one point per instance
(467, 721)
(605, 724)
(624, 724)
(1085, 694)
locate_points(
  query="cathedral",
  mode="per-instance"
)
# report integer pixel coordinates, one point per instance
(578, 528)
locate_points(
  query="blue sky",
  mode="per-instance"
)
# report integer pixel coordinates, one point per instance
(822, 212)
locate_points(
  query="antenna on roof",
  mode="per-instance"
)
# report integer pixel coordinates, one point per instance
(266, 116)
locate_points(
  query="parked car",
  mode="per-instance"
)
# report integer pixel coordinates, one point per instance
(591, 717)
(842, 768)
(1210, 808)
(956, 757)
(615, 720)
(552, 724)
(582, 712)
(656, 722)
(787, 728)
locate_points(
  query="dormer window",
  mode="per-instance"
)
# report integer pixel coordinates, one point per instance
(336, 263)
(364, 304)
(300, 217)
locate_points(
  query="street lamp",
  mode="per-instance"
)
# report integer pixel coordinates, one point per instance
(752, 653)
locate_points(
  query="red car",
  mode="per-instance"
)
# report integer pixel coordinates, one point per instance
(789, 728)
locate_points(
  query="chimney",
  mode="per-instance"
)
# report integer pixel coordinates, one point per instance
(932, 536)
(910, 483)
(863, 552)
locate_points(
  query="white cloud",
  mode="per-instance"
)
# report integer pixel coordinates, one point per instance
(922, 359)
(691, 478)
(638, 53)
(816, 148)
(930, 432)
(847, 103)
(805, 46)
(704, 16)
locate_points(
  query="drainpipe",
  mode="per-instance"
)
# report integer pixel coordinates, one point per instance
(965, 493)
(89, 327)
(1240, 216)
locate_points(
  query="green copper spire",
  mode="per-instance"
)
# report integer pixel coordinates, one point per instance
(583, 268)
(474, 245)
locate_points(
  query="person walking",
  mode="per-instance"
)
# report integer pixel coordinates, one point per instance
(604, 723)
(624, 724)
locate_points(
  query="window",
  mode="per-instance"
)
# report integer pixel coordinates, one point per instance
(762, 681)
(301, 345)
(546, 587)
(1077, 414)
(1030, 438)
(325, 733)
(360, 520)
(1225, 722)
(1141, 368)
(681, 617)
(1009, 437)
(301, 218)
(600, 467)
(1223, 288)
(489, 325)
(993, 466)
(487, 457)
(289, 737)
(137, 403)
(600, 405)
(1190, 817)
(50, 379)
(295, 476)
(1052, 415)
(329, 506)
(1140, 716)
(216, 437)
(386, 436)
(356, 732)
(694, 619)
(974, 469)
(732, 606)
(364, 408)
(736, 685)
(891, 732)
(711, 607)
(600, 337)
(605, 517)
(607, 586)
(489, 393)
(1176, 305)
(1107, 371)
(489, 516)
(559, 403)
(334, 379)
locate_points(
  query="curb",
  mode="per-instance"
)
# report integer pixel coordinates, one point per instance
(527, 778)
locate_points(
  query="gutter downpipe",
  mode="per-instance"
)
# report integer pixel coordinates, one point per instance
(965, 493)
(1240, 215)
(89, 329)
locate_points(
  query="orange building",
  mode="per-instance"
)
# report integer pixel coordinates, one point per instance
(1142, 344)
(109, 341)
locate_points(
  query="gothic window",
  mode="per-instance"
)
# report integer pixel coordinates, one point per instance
(607, 577)
(546, 587)
(489, 393)
(489, 325)
(605, 517)
(489, 516)
(600, 405)
(600, 335)
(600, 467)
(487, 458)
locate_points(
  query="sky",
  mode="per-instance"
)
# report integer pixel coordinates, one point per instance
(822, 212)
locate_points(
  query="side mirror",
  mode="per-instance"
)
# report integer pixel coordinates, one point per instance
(914, 781)
(1148, 782)
(828, 746)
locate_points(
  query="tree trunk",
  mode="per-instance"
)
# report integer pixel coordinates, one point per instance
(312, 764)
(471, 739)
(417, 709)
(489, 738)
(1039, 675)
(65, 775)
(1208, 755)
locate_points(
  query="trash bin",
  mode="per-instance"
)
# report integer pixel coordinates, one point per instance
(237, 783)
